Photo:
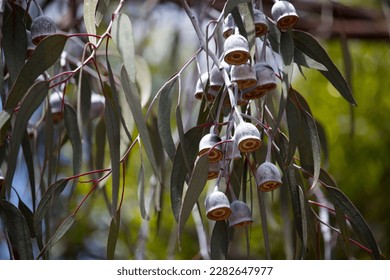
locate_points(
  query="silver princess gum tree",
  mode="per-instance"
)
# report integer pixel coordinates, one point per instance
(216, 156)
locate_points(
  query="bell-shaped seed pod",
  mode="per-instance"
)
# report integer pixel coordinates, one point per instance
(217, 206)
(30, 44)
(200, 90)
(208, 144)
(41, 27)
(216, 79)
(228, 26)
(266, 81)
(97, 105)
(247, 137)
(236, 50)
(56, 101)
(243, 75)
(260, 21)
(283, 12)
(241, 215)
(268, 177)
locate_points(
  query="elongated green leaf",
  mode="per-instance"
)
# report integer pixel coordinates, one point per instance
(309, 46)
(5, 116)
(164, 118)
(246, 12)
(51, 193)
(89, 18)
(45, 55)
(133, 101)
(219, 243)
(17, 229)
(101, 10)
(302, 59)
(73, 132)
(264, 223)
(122, 34)
(28, 216)
(293, 117)
(34, 98)
(231, 4)
(14, 44)
(100, 142)
(179, 169)
(60, 232)
(195, 187)
(141, 193)
(341, 201)
(113, 235)
(28, 157)
(302, 202)
(113, 136)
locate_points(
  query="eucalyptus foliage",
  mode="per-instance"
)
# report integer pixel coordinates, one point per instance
(103, 125)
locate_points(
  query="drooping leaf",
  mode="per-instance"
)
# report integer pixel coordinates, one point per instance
(59, 233)
(133, 101)
(45, 55)
(219, 243)
(52, 192)
(14, 43)
(100, 142)
(28, 216)
(89, 18)
(302, 59)
(246, 12)
(141, 193)
(164, 118)
(341, 201)
(101, 11)
(309, 46)
(34, 98)
(264, 223)
(231, 4)
(195, 187)
(179, 169)
(122, 35)
(17, 229)
(113, 235)
(28, 157)
(73, 132)
(293, 117)
(113, 136)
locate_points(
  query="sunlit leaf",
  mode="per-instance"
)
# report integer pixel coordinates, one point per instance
(134, 103)
(113, 136)
(302, 59)
(141, 193)
(89, 18)
(113, 235)
(45, 55)
(219, 243)
(122, 35)
(34, 98)
(246, 12)
(164, 118)
(17, 229)
(14, 43)
(101, 11)
(309, 46)
(195, 187)
(179, 169)
(341, 201)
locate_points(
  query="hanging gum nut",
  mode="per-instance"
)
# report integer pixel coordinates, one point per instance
(228, 26)
(241, 215)
(41, 27)
(243, 75)
(268, 177)
(266, 81)
(200, 89)
(260, 21)
(213, 171)
(236, 49)
(217, 206)
(247, 137)
(208, 144)
(216, 79)
(283, 12)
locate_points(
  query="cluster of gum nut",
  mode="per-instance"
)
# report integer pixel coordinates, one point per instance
(42, 27)
(252, 83)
